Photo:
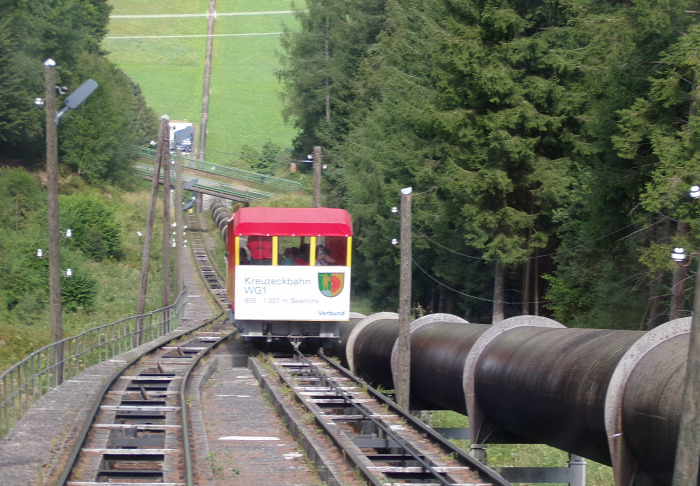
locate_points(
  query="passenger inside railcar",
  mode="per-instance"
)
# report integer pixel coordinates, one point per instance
(292, 254)
(243, 256)
(298, 258)
(260, 248)
(337, 248)
(323, 256)
(304, 252)
(287, 257)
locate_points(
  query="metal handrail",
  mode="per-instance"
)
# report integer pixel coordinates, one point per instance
(43, 370)
(211, 185)
(278, 183)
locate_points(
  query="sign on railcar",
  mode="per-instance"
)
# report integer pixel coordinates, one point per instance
(293, 293)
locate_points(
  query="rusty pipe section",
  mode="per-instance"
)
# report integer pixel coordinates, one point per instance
(609, 395)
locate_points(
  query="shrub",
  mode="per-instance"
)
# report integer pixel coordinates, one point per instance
(78, 292)
(95, 231)
(21, 198)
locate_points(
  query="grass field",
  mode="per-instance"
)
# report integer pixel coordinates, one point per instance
(245, 105)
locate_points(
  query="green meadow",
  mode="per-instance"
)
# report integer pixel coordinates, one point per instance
(139, 7)
(165, 57)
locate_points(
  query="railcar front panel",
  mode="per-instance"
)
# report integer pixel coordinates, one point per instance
(289, 271)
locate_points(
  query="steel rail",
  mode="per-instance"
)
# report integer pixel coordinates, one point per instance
(463, 457)
(197, 243)
(331, 433)
(187, 452)
(30, 379)
(403, 443)
(189, 475)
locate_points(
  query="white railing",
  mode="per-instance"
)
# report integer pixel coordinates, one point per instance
(45, 369)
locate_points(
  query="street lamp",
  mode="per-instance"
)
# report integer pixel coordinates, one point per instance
(73, 101)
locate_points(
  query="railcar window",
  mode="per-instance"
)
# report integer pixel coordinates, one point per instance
(336, 247)
(292, 251)
(260, 248)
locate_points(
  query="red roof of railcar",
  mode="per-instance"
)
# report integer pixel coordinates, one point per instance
(292, 222)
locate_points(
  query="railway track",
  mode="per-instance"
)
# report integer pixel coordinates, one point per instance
(382, 443)
(215, 282)
(139, 432)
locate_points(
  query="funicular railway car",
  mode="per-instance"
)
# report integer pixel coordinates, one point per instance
(289, 272)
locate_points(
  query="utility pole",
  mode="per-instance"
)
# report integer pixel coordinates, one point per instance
(54, 224)
(166, 227)
(177, 204)
(161, 153)
(73, 101)
(498, 313)
(403, 387)
(179, 137)
(685, 472)
(317, 177)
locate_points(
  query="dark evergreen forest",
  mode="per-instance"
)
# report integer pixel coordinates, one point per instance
(550, 144)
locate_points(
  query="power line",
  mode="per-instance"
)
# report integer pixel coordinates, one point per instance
(490, 301)
(559, 252)
(442, 284)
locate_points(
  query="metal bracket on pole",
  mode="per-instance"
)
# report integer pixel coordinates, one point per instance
(478, 452)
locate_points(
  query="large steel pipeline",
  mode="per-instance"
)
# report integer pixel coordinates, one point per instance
(220, 212)
(439, 343)
(337, 347)
(609, 395)
(369, 347)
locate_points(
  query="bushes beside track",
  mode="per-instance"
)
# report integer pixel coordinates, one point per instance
(103, 253)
